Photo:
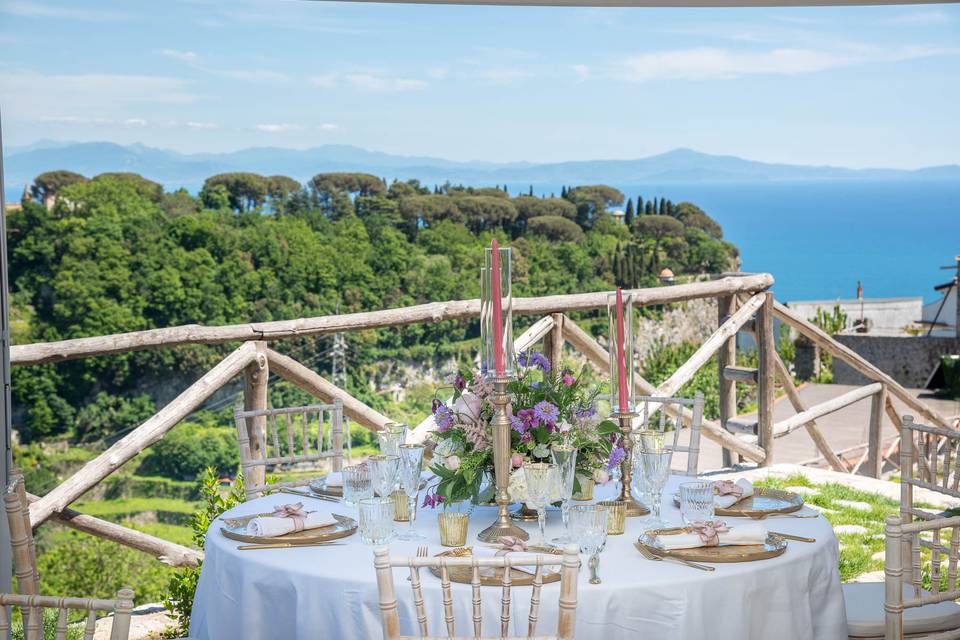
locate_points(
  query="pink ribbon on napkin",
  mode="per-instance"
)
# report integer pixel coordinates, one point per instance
(727, 488)
(510, 543)
(294, 511)
(709, 531)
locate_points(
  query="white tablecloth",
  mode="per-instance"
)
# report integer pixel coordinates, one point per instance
(330, 593)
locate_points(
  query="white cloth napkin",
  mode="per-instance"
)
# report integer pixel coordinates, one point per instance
(491, 552)
(334, 479)
(739, 534)
(270, 526)
(725, 502)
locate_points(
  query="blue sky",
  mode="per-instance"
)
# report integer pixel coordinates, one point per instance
(858, 87)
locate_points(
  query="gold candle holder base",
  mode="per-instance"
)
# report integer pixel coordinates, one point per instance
(524, 514)
(501, 464)
(633, 508)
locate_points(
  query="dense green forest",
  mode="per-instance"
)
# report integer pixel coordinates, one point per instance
(116, 253)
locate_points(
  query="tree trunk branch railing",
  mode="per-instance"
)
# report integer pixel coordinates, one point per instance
(434, 312)
(830, 406)
(152, 430)
(169, 553)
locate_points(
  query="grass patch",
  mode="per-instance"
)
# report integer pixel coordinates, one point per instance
(127, 506)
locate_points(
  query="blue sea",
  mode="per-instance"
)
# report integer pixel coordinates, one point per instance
(819, 238)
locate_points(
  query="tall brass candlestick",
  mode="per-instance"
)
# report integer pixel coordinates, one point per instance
(501, 466)
(634, 508)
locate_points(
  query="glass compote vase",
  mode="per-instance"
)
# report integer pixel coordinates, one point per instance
(565, 458)
(541, 481)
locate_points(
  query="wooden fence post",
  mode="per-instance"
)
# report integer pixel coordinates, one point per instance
(766, 350)
(255, 399)
(727, 356)
(553, 341)
(874, 450)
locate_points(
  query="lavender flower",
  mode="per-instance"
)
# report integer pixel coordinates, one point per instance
(546, 411)
(541, 361)
(443, 417)
(587, 412)
(517, 424)
(459, 383)
(522, 358)
(431, 500)
(617, 454)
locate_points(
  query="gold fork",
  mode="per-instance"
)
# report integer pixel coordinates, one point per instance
(764, 516)
(646, 553)
(421, 553)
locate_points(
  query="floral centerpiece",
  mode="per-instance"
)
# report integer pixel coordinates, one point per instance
(550, 407)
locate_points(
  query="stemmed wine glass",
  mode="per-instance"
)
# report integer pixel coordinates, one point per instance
(565, 457)
(588, 524)
(391, 437)
(655, 460)
(411, 462)
(383, 473)
(541, 481)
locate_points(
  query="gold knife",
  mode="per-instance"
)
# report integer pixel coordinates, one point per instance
(790, 536)
(284, 545)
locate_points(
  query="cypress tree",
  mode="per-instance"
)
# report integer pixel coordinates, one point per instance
(639, 205)
(648, 208)
(655, 209)
(563, 192)
(628, 214)
(531, 190)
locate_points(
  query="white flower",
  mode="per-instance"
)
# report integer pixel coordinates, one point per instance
(517, 488)
(468, 405)
(564, 426)
(541, 451)
(452, 463)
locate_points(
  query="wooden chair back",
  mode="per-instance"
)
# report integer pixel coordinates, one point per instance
(929, 534)
(21, 535)
(653, 416)
(32, 607)
(929, 459)
(569, 564)
(307, 434)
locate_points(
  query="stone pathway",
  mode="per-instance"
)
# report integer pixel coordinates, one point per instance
(148, 622)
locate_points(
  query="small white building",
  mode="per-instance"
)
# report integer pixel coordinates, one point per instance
(882, 315)
(942, 314)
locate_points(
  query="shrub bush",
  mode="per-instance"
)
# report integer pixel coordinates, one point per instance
(186, 451)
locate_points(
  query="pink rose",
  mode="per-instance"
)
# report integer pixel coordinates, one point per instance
(452, 463)
(468, 405)
(601, 477)
(568, 379)
(516, 461)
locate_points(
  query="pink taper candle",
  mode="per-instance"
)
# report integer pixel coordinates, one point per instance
(622, 392)
(497, 310)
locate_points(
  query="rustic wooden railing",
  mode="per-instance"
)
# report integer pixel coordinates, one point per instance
(744, 305)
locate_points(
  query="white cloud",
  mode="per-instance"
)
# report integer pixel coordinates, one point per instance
(182, 56)
(707, 63)
(328, 126)
(38, 96)
(325, 81)
(582, 71)
(201, 125)
(438, 73)
(278, 127)
(379, 83)
(503, 75)
(38, 10)
(135, 122)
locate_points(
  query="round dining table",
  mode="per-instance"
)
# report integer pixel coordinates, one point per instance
(330, 592)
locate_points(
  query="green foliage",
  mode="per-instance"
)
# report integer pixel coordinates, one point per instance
(183, 585)
(188, 450)
(50, 184)
(111, 415)
(74, 630)
(246, 190)
(831, 323)
(663, 361)
(556, 228)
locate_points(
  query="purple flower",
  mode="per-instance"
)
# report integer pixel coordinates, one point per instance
(535, 385)
(617, 454)
(435, 406)
(443, 417)
(522, 358)
(518, 424)
(431, 500)
(459, 383)
(541, 361)
(526, 438)
(587, 412)
(546, 411)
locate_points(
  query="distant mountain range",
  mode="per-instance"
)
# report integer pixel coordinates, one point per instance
(189, 170)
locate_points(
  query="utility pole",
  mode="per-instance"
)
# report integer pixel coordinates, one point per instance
(338, 376)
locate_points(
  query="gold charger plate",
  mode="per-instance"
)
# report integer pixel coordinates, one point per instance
(235, 528)
(774, 546)
(319, 486)
(764, 501)
(518, 578)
